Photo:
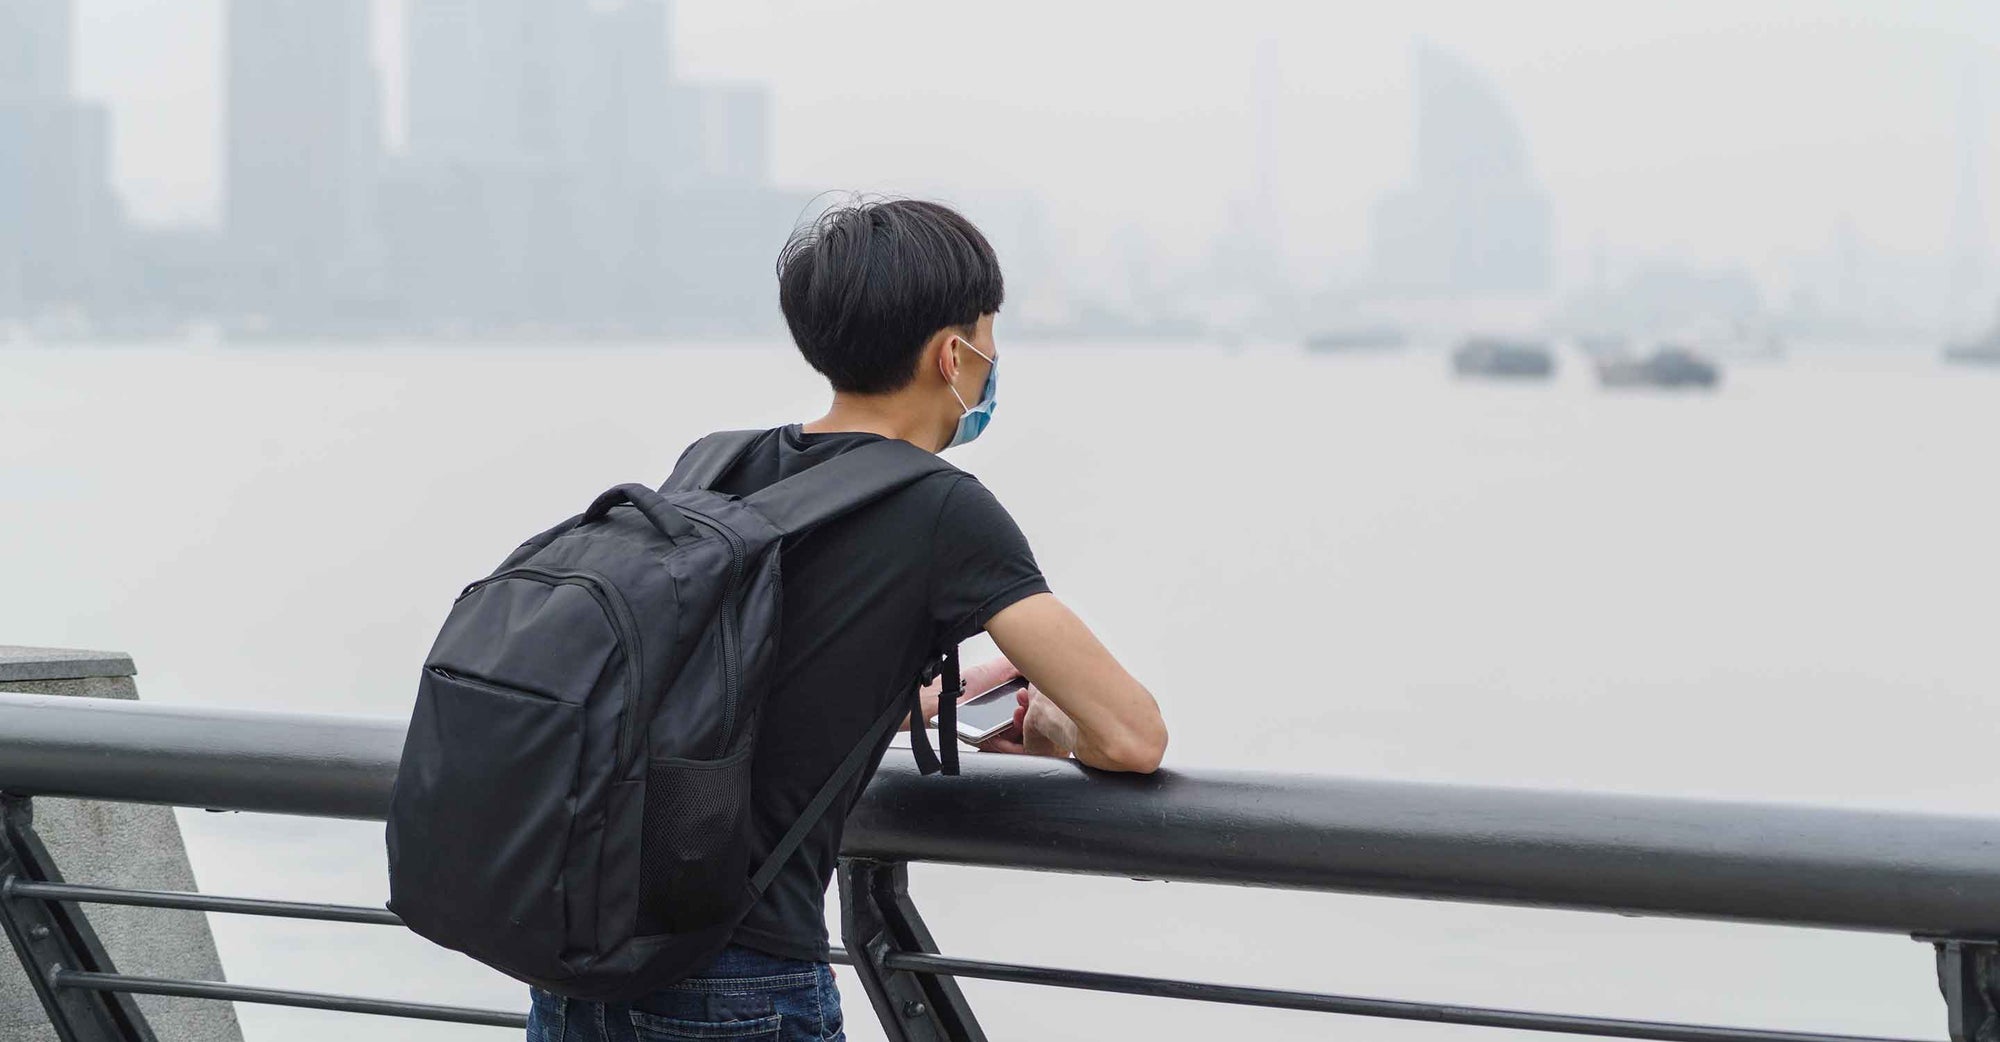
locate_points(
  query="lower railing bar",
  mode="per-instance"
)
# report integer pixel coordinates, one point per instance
(206, 989)
(15, 886)
(1315, 1002)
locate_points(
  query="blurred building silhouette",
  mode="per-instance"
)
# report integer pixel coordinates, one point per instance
(303, 140)
(1970, 305)
(60, 226)
(558, 178)
(559, 175)
(1472, 221)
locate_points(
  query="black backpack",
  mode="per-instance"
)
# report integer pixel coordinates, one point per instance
(572, 802)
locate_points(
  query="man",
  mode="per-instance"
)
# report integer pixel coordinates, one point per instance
(893, 302)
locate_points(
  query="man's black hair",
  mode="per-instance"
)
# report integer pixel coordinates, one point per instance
(868, 283)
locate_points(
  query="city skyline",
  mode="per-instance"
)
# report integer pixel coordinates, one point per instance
(1473, 218)
(1898, 272)
(558, 176)
(59, 216)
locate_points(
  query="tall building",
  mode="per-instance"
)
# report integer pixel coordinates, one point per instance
(1972, 306)
(476, 214)
(304, 148)
(513, 80)
(1472, 221)
(59, 221)
(725, 221)
(1266, 225)
(732, 134)
(35, 49)
(558, 174)
(446, 46)
(542, 140)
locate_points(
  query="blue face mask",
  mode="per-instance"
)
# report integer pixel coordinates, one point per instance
(978, 415)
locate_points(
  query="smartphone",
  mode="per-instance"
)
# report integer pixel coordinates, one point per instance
(990, 712)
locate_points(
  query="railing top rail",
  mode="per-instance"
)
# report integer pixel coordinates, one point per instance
(1850, 869)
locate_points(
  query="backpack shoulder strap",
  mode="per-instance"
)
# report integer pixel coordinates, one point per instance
(852, 479)
(708, 459)
(857, 758)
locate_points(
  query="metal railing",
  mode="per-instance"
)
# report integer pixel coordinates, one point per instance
(1935, 878)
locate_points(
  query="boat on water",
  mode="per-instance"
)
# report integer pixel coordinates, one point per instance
(1360, 338)
(1496, 357)
(1669, 366)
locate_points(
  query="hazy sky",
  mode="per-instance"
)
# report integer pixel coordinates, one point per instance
(1732, 132)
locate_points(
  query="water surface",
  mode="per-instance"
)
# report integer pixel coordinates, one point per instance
(1788, 590)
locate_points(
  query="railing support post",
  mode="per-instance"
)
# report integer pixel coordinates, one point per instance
(53, 936)
(1969, 976)
(877, 919)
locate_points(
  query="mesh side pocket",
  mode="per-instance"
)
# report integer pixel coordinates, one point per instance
(693, 856)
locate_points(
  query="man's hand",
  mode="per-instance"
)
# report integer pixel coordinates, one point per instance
(1040, 729)
(979, 678)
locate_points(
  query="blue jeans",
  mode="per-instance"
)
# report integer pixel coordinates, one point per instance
(744, 994)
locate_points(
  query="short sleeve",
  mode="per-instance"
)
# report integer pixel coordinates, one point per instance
(980, 561)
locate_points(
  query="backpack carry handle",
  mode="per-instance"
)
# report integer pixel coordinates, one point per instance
(661, 513)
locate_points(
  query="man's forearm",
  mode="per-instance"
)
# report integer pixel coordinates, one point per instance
(1118, 723)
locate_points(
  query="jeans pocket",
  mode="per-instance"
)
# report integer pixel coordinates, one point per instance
(831, 1023)
(546, 1015)
(651, 1027)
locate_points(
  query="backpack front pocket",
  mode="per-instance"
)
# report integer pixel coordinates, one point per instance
(694, 858)
(497, 799)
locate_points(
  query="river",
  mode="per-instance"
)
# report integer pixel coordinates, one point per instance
(1785, 590)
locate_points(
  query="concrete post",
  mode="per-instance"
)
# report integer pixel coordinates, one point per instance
(115, 844)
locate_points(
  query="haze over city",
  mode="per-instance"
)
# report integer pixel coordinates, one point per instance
(1182, 170)
(1599, 398)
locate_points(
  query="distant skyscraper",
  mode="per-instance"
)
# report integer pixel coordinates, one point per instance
(447, 44)
(558, 174)
(480, 215)
(1472, 221)
(733, 127)
(521, 80)
(59, 223)
(1266, 224)
(304, 147)
(542, 138)
(1971, 307)
(35, 46)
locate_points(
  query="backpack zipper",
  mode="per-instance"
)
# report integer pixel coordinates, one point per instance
(731, 639)
(489, 686)
(620, 615)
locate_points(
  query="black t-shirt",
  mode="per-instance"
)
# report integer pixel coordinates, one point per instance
(867, 597)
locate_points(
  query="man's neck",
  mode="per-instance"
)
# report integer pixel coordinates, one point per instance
(888, 415)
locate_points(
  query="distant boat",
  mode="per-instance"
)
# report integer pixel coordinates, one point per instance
(1669, 366)
(1364, 338)
(1494, 357)
(1984, 351)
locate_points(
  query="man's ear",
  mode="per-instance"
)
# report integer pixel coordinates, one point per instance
(947, 360)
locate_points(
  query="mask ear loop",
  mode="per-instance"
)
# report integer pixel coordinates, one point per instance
(974, 349)
(964, 408)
